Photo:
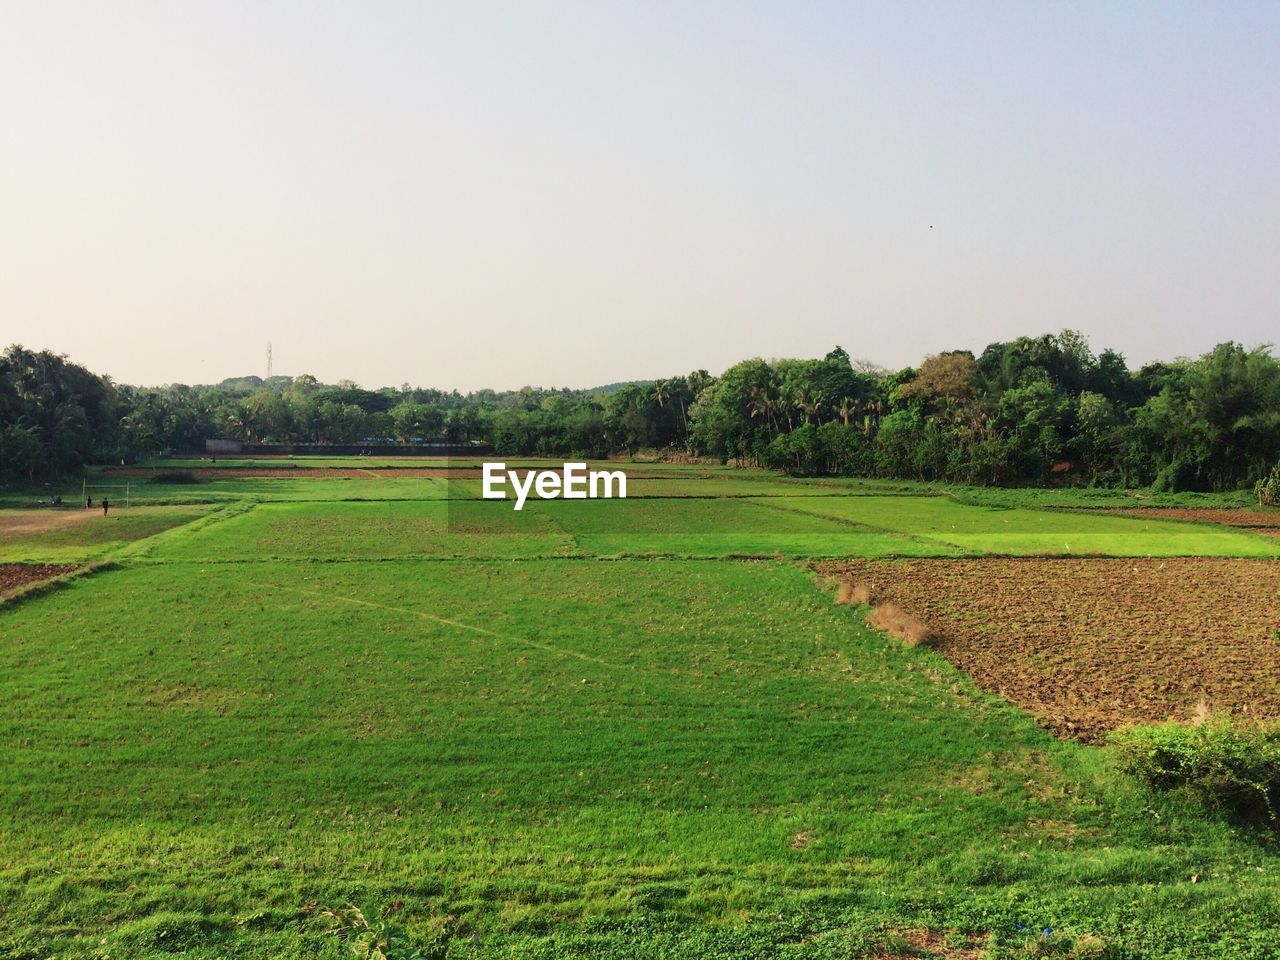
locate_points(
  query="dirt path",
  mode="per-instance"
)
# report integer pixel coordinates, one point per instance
(288, 473)
(1089, 645)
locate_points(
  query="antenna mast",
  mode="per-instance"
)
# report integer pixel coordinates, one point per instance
(268, 359)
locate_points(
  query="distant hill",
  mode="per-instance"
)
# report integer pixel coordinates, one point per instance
(615, 387)
(249, 384)
(280, 383)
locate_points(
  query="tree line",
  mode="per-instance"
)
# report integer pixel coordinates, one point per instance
(1021, 412)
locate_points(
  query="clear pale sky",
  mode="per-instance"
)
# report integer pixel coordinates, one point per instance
(563, 193)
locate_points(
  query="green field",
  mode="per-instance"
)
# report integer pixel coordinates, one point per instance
(590, 729)
(89, 536)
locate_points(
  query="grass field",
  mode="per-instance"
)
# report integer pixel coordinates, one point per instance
(72, 535)
(622, 729)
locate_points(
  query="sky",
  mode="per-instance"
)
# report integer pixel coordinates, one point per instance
(566, 193)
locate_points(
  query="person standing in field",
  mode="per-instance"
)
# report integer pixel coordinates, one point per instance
(88, 503)
(106, 505)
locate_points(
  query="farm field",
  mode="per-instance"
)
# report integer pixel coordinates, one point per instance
(1020, 532)
(15, 576)
(1088, 645)
(1253, 519)
(71, 534)
(629, 728)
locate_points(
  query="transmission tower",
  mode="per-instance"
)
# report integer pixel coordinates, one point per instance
(268, 359)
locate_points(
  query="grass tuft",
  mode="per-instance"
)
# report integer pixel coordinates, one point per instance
(854, 594)
(895, 621)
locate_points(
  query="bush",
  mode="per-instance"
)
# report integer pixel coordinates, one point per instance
(1228, 764)
(1268, 488)
(1183, 474)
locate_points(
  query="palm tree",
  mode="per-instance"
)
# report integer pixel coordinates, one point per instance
(661, 392)
(817, 403)
(809, 403)
(765, 403)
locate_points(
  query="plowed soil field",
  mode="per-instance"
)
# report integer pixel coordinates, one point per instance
(15, 575)
(1089, 645)
(1232, 518)
(330, 473)
(293, 473)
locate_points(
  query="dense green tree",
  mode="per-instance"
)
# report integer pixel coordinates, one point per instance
(415, 422)
(70, 412)
(1020, 412)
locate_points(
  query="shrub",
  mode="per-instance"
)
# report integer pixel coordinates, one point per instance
(1184, 473)
(1268, 488)
(1229, 764)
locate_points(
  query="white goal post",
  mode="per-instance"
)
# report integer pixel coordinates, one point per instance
(88, 489)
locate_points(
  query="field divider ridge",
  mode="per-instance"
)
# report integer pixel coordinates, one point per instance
(861, 525)
(139, 549)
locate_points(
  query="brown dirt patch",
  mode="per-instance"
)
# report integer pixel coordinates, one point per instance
(913, 944)
(1232, 518)
(1089, 645)
(291, 473)
(14, 576)
(23, 523)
